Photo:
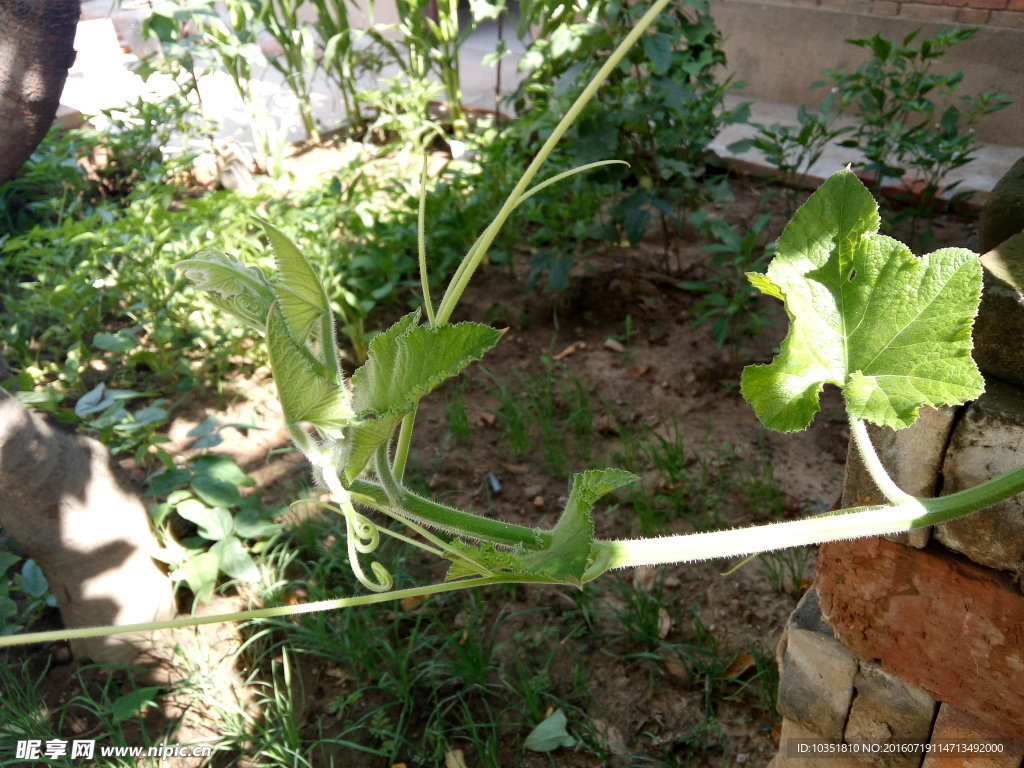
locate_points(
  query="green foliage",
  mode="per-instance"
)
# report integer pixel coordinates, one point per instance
(222, 516)
(909, 125)
(793, 149)
(728, 301)
(891, 329)
(658, 111)
(24, 595)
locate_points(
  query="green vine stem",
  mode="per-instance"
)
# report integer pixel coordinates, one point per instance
(267, 613)
(844, 524)
(432, 514)
(892, 492)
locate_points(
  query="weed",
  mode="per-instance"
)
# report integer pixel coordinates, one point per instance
(728, 301)
(455, 413)
(786, 569)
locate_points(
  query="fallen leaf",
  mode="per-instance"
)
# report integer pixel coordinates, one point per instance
(664, 623)
(740, 666)
(408, 603)
(488, 419)
(340, 676)
(676, 669)
(777, 732)
(609, 736)
(570, 350)
(637, 372)
(454, 758)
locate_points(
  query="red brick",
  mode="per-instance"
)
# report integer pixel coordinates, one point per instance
(930, 12)
(1016, 5)
(957, 3)
(952, 726)
(992, 5)
(972, 16)
(1007, 19)
(933, 619)
(885, 8)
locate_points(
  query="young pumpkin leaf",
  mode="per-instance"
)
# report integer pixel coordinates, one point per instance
(891, 329)
(403, 364)
(305, 391)
(302, 299)
(231, 286)
(569, 554)
(408, 361)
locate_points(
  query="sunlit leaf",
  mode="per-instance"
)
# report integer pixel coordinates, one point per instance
(231, 286)
(891, 329)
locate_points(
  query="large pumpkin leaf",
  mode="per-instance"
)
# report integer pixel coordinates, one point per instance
(891, 329)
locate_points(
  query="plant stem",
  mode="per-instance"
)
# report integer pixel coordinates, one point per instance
(845, 524)
(461, 280)
(892, 492)
(430, 514)
(268, 613)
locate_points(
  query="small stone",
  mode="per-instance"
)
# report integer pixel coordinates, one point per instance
(816, 673)
(615, 345)
(987, 442)
(538, 501)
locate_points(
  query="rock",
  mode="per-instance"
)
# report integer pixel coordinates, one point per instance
(815, 674)
(796, 750)
(999, 326)
(933, 619)
(953, 726)
(988, 442)
(913, 458)
(1003, 214)
(887, 710)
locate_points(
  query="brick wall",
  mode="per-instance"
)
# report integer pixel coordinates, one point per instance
(996, 13)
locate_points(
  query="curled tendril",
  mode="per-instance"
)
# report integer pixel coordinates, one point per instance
(356, 544)
(362, 536)
(366, 534)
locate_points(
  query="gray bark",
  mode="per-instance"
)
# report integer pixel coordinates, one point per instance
(36, 50)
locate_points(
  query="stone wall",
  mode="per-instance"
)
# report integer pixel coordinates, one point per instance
(919, 638)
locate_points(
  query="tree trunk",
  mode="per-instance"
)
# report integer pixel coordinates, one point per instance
(36, 50)
(61, 501)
